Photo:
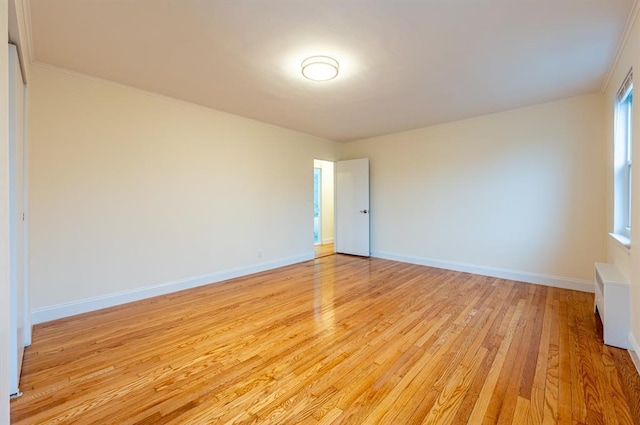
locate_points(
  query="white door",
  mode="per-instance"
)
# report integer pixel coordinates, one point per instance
(352, 207)
(17, 292)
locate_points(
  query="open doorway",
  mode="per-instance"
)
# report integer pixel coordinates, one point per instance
(317, 205)
(323, 207)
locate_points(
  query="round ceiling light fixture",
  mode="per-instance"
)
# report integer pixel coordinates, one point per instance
(320, 68)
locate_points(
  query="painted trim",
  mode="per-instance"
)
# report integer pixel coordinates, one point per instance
(634, 352)
(527, 277)
(4, 223)
(28, 327)
(327, 241)
(26, 10)
(622, 242)
(59, 311)
(631, 20)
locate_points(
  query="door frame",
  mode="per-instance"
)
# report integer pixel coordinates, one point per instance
(320, 239)
(19, 307)
(328, 201)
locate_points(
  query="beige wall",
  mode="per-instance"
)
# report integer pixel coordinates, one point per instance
(129, 190)
(4, 216)
(627, 262)
(521, 190)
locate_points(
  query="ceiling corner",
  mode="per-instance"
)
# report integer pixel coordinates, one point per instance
(20, 34)
(631, 20)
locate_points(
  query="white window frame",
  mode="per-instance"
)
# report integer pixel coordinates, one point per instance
(623, 158)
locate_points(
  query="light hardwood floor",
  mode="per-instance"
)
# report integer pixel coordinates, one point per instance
(338, 339)
(323, 250)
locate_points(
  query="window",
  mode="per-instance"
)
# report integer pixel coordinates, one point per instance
(622, 155)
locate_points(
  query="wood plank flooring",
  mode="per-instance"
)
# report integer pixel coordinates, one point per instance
(335, 340)
(323, 250)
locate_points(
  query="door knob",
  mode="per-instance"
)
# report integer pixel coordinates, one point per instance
(364, 211)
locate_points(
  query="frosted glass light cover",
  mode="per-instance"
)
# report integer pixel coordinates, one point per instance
(320, 68)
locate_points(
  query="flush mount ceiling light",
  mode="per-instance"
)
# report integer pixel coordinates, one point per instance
(320, 68)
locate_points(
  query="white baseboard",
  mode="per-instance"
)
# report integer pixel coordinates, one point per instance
(634, 351)
(59, 311)
(536, 278)
(327, 240)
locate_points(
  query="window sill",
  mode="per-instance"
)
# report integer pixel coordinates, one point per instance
(623, 241)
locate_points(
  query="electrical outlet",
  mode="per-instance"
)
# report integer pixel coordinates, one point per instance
(260, 253)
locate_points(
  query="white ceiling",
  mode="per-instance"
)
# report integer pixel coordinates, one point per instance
(404, 63)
